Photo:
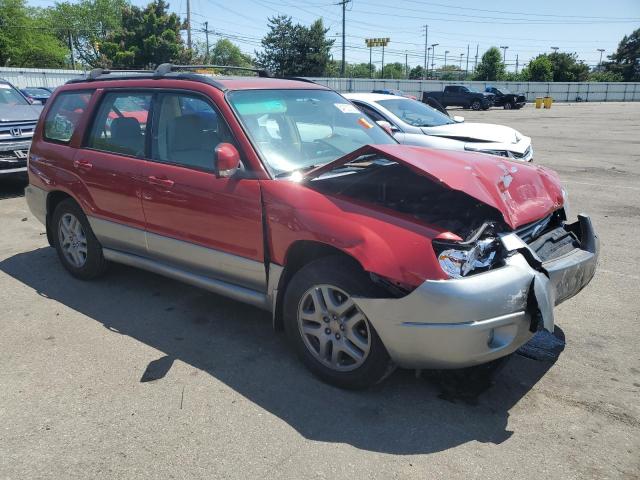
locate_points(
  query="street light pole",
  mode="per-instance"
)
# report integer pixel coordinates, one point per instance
(555, 49)
(433, 56)
(426, 73)
(601, 50)
(445, 58)
(504, 55)
(461, 55)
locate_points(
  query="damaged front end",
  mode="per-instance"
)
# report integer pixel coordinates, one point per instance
(505, 274)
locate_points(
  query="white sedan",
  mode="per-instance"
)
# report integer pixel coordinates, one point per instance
(415, 123)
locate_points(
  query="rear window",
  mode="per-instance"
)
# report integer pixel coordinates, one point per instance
(64, 115)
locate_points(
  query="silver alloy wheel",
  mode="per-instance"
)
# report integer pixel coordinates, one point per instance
(73, 240)
(334, 330)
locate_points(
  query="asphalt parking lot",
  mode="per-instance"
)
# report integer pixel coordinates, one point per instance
(138, 376)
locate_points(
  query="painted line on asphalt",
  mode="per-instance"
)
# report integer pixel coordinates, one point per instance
(601, 185)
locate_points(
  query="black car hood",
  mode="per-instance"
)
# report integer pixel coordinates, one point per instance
(19, 113)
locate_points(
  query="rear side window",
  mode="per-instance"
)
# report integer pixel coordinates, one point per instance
(64, 115)
(121, 123)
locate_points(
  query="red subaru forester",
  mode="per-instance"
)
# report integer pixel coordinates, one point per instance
(282, 194)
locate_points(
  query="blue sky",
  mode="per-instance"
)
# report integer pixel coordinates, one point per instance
(527, 28)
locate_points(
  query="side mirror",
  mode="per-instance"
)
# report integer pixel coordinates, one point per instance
(458, 119)
(387, 126)
(226, 160)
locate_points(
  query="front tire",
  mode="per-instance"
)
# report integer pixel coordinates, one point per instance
(74, 241)
(509, 105)
(476, 105)
(330, 334)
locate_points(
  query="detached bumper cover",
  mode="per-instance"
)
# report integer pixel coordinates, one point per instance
(473, 320)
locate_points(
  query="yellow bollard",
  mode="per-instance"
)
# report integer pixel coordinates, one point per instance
(547, 102)
(538, 102)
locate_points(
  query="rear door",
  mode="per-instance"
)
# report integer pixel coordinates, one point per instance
(110, 165)
(208, 225)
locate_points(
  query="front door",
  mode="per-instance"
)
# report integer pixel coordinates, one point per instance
(208, 225)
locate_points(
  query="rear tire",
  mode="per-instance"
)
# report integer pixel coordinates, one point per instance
(331, 336)
(74, 241)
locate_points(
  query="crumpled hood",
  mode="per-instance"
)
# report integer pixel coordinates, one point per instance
(482, 132)
(19, 113)
(521, 193)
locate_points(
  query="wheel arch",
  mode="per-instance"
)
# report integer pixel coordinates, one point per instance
(299, 254)
(54, 198)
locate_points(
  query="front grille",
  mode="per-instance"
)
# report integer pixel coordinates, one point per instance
(15, 132)
(548, 237)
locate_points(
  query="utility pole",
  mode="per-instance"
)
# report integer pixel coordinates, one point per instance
(370, 64)
(466, 69)
(475, 65)
(445, 58)
(343, 3)
(601, 50)
(427, 70)
(504, 55)
(206, 33)
(426, 50)
(406, 65)
(516, 63)
(461, 55)
(382, 69)
(73, 60)
(189, 24)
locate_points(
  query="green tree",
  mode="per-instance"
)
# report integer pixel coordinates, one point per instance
(90, 24)
(149, 36)
(449, 72)
(359, 70)
(27, 38)
(606, 76)
(540, 69)
(290, 50)
(626, 59)
(392, 70)
(491, 67)
(226, 52)
(567, 67)
(417, 73)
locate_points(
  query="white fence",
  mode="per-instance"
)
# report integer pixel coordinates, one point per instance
(561, 92)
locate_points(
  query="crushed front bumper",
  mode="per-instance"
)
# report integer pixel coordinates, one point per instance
(473, 320)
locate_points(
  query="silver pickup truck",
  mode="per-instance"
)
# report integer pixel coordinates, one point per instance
(18, 120)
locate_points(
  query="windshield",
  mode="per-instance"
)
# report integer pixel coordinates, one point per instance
(10, 96)
(415, 113)
(298, 129)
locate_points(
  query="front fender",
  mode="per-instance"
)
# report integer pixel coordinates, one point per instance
(392, 247)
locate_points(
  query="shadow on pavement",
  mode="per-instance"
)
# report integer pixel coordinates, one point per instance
(236, 344)
(12, 185)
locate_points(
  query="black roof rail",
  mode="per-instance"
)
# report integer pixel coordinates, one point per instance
(303, 79)
(165, 68)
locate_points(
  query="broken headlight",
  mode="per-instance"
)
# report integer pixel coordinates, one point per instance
(459, 260)
(499, 153)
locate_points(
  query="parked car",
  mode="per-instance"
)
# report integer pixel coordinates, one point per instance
(36, 94)
(504, 98)
(17, 122)
(369, 254)
(415, 123)
(392, 91)
(461, 96)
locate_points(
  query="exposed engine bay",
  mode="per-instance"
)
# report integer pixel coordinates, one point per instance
(396, 187)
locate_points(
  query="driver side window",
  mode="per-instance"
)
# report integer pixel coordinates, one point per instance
(187, 130)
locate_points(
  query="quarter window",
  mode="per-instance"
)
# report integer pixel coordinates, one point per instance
(121, 124)
(64, 115)
(188, 130)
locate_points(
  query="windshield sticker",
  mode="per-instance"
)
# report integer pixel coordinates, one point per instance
(5, 86)
(363, 121)
(346, 108)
